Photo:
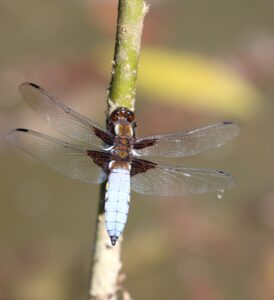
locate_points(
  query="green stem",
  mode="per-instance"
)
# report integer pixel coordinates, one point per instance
(122, 90)
(105, 281)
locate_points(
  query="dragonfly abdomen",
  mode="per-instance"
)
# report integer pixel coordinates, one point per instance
(117, 200)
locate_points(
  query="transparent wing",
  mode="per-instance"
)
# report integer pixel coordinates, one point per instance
(62, 118)
(66, 158)
(186, 143)
(180, 181)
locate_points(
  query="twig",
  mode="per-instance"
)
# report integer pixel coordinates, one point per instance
(106, 263)
(131, 15)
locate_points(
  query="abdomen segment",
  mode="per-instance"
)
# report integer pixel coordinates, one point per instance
(117, 201)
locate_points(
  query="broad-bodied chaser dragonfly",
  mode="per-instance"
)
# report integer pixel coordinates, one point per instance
(118, 156)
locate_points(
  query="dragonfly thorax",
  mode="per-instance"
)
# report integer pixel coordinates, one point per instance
(122, 148)
(123, 130)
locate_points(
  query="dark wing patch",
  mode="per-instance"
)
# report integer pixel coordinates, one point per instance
(106, 137)
(145, 142)
(102, 159)
(141, 166)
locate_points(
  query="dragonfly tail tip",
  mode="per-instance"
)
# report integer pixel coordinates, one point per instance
(113, 240)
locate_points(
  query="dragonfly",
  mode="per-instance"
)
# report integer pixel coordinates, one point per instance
(117, 156)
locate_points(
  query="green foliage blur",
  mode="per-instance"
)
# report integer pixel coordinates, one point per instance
(201, 62)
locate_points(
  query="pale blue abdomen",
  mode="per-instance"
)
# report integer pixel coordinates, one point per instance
(117, 202)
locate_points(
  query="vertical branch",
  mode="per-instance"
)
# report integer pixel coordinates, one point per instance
(122, 91)
(106, 263)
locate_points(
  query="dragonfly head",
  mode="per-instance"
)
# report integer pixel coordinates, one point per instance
(122, 115)
(121, 122)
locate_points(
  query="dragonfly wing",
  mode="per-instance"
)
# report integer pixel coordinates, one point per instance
(179, 181)
(186, 143)
(62, 118)
(74, 161)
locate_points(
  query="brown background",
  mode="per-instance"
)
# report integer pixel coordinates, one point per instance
(192, 248)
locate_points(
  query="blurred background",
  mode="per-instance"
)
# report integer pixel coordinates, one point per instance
(201, 62)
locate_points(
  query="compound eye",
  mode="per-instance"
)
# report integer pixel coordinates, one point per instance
(130, 116)
(114, 116)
